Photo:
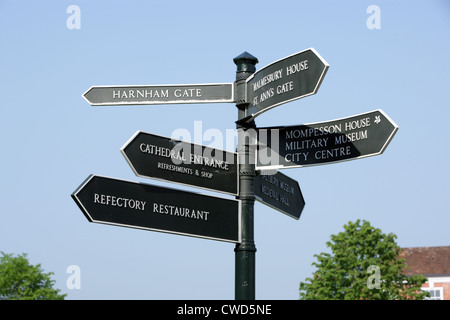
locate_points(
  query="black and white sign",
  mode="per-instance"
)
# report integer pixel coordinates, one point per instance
(356, 137)
(279, 192)
(159, 94)
(143, 206)
(163, 158)
(285, 80)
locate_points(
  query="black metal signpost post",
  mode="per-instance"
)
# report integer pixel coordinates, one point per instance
(243, 174)
(245, 251)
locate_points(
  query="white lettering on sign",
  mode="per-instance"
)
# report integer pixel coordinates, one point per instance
(173, 167)
(286, 87)
(333, 153)
(277, 89)
(357, 124)
(121, 202)
(178, 156)
(297, 67)
(162, 152)
(207, 161)
(139, 94)
(143, 94)
(313, 132)
(351, 137)
(188, 93)
(180, 211)
(306, 138)
(306, 144)
(274, 76)
(296, 157)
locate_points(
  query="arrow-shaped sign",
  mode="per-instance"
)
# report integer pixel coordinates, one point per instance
(163, 158)
(144, 206)
(294, 77)
(159, 94)
(279, 192)
(360, 136)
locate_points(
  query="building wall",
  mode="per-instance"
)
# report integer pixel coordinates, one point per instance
(441, 282)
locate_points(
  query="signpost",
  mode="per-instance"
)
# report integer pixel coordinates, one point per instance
(143, 206)
(285, 80)
(171, 160)
(159, 94)
(149, 207)
(356, 137)
(279, 192)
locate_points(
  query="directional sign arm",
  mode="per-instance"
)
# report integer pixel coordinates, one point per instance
(355, 137)
(148, 207)
(166, 159)
(279, 192)
(288, 79)
(160, 94)
(77, 200)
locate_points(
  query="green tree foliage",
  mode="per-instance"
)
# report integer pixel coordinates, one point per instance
(21, 281)
(364, 264)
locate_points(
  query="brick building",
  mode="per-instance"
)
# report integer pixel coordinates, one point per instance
(433, 263)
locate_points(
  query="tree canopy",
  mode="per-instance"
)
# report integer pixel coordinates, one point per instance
(364, 264)
(19, 280)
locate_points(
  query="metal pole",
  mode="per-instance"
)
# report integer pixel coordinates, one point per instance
(246, 250)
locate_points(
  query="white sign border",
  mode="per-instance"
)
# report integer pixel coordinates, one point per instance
(155, 102)
(322, 76)
(89, 217)
(235, 155)
(276, 167)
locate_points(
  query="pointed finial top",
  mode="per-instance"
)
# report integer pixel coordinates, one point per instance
(245, 62)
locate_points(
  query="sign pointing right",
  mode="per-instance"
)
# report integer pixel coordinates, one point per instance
(279, 192)
(355, 137)
(288, 79)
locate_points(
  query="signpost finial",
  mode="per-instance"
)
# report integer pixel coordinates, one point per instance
(245, 62)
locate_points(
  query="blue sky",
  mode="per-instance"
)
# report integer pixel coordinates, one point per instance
(52, 139)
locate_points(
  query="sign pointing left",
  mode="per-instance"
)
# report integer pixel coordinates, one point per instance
(163, 158)
(144, 206)
(160, 94)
